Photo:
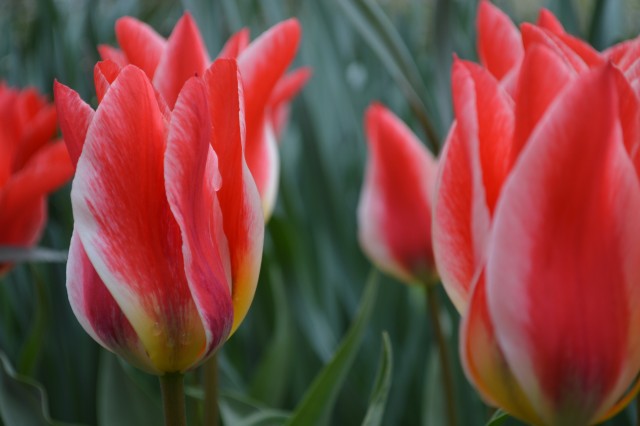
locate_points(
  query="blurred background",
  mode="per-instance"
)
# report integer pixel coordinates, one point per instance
(314, 274)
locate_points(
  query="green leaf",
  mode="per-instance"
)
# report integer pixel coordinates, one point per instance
(321, 395)
(23, 401)
(10, 254)
(375, 412)
(498, 418)
(121, 400)
(240, 410)
(385, 41)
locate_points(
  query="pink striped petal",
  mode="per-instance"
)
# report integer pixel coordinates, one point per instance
(235, 45)
(564, 253)
(499, 45)
(544, 75)
(74, 118)
(184, 57)
(532, 35)
(126, 227)
(191, 180)
(97, 311)
(140, 43)
(548, 21)
(238, 196)
(284, 92)
(394, 213)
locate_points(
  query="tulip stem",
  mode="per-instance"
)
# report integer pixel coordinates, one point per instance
(447, 378)
(211, 410)
(172, 386)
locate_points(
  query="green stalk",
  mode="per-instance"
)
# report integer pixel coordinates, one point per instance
(433, 307)
(172, 386)
(211, 411)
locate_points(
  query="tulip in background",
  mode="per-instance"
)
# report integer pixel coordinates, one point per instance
(168, 234)
(536, 233)
(394, 213)
(267, 89)
(31, 166)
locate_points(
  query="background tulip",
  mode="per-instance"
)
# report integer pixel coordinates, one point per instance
(534, 233)
(394, 213)
(162, 265)
(31, 165)
(267, 89)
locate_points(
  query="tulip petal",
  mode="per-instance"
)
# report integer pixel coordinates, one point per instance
(74, 117)
(184, 57)
(126, 227)
(97, 311)
(564, 252)
(235, 45)
(140, 43)
(499, 45)
(479, 157)
(484, 362)
(532, 35)
(191, 180)
(117, 56)
(40, 130)
(394, 213)
(104, 73)
(238, 196)
(286, 89)
(548, 21)
(544, 74)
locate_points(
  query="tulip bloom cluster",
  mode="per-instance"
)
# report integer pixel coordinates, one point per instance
(536, 230)
(169, 225)
(30, 166)
(394, 213)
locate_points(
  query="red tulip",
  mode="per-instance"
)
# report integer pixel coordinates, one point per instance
(169, 63)
(168, 226)
(394, 213)
(535, 230)
(31, 165)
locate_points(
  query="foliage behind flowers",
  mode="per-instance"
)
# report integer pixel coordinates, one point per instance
(313, 271)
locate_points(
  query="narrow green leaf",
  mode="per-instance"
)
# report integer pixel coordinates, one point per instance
(23, 401)
(321, 395)
(38, 254)
(383, 38)
(239, 410)
(375, 412)
(121, 401)
(498, 418)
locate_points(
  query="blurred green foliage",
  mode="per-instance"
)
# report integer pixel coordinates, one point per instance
(313, 272)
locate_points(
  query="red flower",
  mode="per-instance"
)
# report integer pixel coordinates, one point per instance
(267, 90)
(31, 166)
(394, 214)
(536, 233)
(168, 235)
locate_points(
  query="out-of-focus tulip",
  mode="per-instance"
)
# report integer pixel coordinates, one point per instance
(168, 234)
(31, 165)
(394, 213)
(536, 235)
(267, 89)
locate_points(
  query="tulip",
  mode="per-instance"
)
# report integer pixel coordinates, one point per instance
(31, 166)
(535, 230)
(169, 63)
(168, 234)
(394, 212)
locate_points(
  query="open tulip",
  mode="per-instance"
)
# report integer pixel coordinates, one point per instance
(536, 235)
(31, 165)
(168, 234)
(394, 213)
(267, 89)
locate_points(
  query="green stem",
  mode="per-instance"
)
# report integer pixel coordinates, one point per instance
(211, 411)
(447, 378)
(638, 410)
(172, 386)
